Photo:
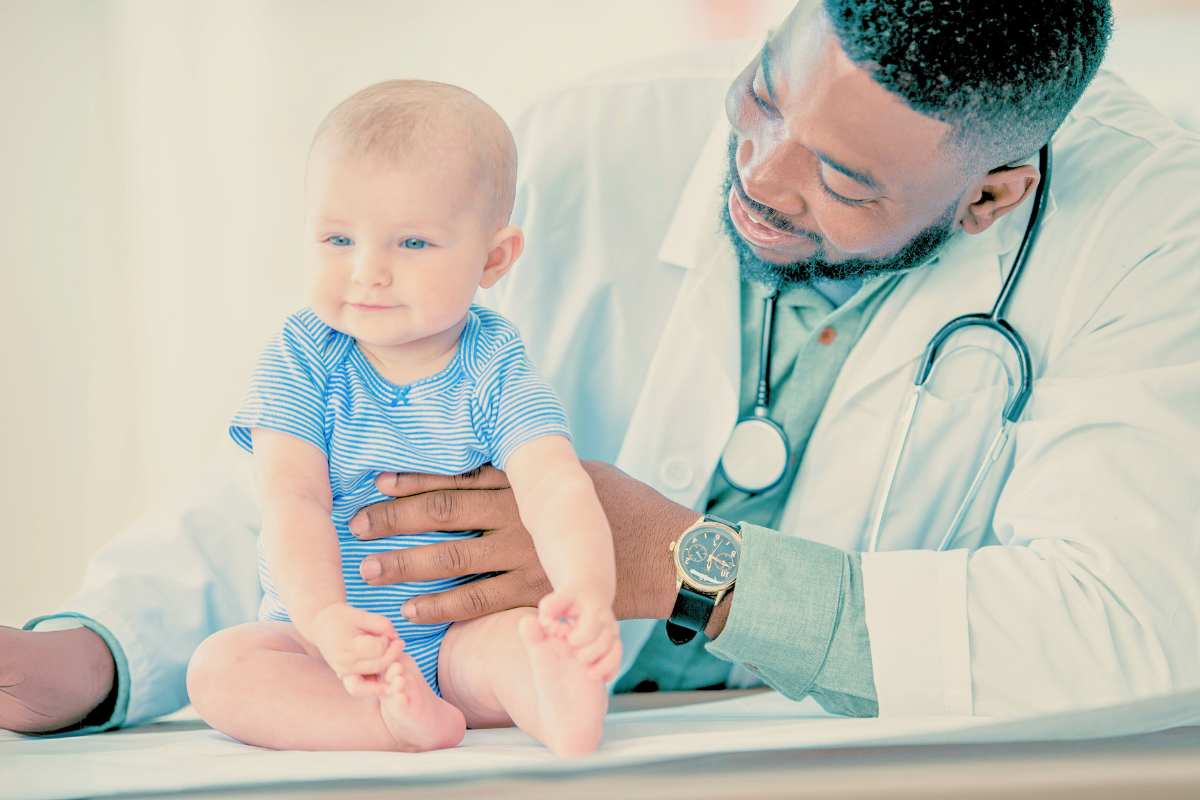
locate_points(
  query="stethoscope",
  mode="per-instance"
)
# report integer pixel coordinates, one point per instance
(756, 457)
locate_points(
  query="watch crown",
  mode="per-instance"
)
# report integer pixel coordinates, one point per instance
(671, 547)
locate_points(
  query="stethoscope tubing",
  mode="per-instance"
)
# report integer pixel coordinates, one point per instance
(994, 321)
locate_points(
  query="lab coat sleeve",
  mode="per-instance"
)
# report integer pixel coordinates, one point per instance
(1093, 596)
(182, 571)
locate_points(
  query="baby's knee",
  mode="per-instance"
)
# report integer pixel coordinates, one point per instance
(219, 660)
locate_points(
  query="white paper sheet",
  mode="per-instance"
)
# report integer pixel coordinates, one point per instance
(161, 760)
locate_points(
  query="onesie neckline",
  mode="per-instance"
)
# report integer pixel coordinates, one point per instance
(393, 393)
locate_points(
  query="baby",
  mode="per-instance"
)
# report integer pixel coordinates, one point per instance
(409, 190)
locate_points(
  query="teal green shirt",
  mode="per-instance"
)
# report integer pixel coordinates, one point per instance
(798, 620)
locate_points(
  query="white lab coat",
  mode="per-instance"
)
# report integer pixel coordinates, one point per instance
(1082, 586)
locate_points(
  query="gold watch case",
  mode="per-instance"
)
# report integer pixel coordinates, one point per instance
(717, 591)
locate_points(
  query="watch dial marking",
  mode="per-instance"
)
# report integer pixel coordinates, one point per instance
(710, 555)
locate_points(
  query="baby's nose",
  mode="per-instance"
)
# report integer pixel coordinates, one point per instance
(372, 269)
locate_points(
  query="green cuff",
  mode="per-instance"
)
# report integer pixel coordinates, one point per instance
(117, 718)
(798, 621)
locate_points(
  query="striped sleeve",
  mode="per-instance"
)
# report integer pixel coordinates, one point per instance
(515, 404)
(287, 388)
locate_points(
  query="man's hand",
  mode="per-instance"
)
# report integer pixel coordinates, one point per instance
(52, 680)
(643, 523)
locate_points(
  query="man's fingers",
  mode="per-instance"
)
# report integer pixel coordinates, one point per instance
(510, 590)
(404, 484)
(432, 562)
(443, 510)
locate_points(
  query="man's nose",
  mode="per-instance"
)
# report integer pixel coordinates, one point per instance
(770, 173)
(371, 268)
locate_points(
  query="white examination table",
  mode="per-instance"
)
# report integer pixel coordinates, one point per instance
(753, 745)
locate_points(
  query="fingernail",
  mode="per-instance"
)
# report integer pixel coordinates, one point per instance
(370, 569)
(408, 610)
(359, 524)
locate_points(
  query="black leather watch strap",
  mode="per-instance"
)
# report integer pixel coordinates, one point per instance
(690, 615)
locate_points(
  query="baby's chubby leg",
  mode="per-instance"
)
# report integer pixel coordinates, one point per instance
(503, 669)
(264, 684)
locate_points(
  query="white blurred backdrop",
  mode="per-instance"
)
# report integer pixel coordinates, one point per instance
(151, 160)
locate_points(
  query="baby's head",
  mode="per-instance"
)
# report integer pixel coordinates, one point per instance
(409, 189)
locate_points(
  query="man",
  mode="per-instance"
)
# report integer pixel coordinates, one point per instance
(876, 163)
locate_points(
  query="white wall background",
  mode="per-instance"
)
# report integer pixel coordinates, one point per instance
(151, 157)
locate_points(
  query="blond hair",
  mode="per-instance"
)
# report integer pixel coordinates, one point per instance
(403, 119)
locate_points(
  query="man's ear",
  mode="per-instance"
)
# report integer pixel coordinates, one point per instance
(996, 194)
(507, 245)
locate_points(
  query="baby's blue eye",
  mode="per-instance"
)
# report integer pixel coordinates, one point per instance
(340, 241)
(414, 244)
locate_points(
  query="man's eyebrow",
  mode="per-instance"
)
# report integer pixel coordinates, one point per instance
(853, 174)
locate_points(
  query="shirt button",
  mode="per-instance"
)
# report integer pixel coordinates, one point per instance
(676, 473)
(827, 336)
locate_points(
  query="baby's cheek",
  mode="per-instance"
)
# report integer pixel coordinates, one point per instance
(453, 293)
(324, 303)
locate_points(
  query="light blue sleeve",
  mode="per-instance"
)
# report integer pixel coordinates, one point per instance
(287, 388)
(515, 404)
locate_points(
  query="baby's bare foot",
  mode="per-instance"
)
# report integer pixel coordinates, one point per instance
(571, 707)
(417, 718)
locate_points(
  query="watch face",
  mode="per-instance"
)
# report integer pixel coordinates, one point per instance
(709, 557)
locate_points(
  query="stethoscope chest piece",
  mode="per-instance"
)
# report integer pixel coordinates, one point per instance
(756, 456)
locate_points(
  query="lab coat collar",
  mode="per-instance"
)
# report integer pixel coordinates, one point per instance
(689, 399)
(688, 241)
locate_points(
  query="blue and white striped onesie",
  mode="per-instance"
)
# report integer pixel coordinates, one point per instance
(311, 381)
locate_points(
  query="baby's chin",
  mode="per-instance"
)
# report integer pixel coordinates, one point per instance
(368, 327)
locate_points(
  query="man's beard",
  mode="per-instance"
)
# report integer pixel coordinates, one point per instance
(912, 255)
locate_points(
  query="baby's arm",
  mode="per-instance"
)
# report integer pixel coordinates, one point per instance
(300, 545)
(558, 505)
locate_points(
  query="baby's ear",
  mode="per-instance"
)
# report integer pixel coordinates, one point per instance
(507, 245)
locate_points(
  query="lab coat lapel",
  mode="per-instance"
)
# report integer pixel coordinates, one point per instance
(689, 401)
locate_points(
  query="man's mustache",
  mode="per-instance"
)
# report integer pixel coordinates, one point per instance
(776, 219)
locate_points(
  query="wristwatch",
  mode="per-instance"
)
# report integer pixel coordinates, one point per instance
(706, 560)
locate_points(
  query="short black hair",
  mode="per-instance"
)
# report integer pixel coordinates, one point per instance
(1003, 74)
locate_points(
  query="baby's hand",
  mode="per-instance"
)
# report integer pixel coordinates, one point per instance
(583, 618)
(359, 646)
